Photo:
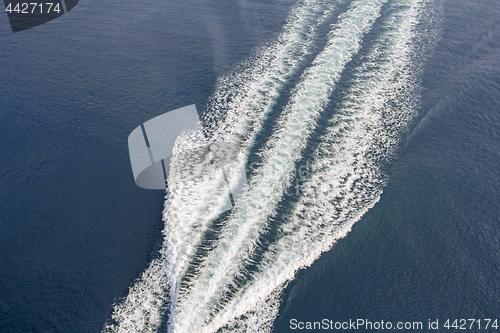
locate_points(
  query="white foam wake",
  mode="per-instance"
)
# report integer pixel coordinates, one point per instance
(245, 97)
(347, 181)
(195, 310)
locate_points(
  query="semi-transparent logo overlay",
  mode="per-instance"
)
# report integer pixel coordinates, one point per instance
(198, 161)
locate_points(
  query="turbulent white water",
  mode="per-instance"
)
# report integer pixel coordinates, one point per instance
(362, 133)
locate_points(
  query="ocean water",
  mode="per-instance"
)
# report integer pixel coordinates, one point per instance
(368, 130)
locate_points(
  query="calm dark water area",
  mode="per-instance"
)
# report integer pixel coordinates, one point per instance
(75, 230)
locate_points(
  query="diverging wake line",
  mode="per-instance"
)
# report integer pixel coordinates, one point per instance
(364, 132)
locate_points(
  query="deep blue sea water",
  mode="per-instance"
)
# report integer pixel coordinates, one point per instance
(76, 232)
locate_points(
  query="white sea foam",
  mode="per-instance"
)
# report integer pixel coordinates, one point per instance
(362, 134)
(143, 308)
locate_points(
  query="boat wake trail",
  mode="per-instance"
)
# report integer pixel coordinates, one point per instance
(353, 98)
